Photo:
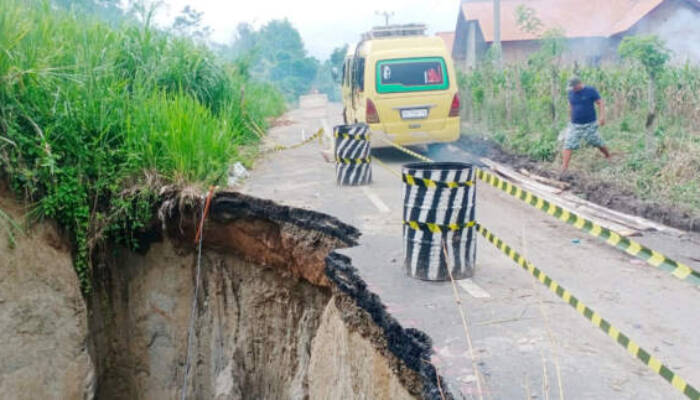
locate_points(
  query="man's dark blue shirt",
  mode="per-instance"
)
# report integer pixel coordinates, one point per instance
(583, 105)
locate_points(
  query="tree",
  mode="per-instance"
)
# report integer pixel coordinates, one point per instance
(337, 58)
(548, 57)
(651, 52)
(527, 19)
(275, 53)
(330, 74)
(109, 10)
(189, 24)
(244, 39)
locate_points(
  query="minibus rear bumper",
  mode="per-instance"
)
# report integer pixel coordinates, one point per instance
(449, 133)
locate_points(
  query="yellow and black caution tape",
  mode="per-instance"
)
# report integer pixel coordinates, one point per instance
(250, 124)
(353, 160)
(633, 348)
(652, 257)
(362, 136)
(432, 184)
(631, 247)
(436, 228)
(407, 151)
(278, 147)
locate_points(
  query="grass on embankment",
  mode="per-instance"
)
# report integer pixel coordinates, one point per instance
(88, 110)
(514, 108)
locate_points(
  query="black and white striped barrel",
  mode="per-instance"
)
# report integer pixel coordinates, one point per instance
(352, 155)
(439, 213)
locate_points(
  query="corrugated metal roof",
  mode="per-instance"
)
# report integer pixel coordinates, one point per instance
(448, 38)
(578, 18)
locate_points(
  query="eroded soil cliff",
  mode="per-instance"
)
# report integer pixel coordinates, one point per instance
(279, 315)
(43, 317)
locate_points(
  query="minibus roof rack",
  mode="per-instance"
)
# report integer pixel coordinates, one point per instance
(388, 31)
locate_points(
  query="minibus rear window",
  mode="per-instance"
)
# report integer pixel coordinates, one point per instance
(411, 75)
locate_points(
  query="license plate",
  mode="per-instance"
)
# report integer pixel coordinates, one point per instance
(414, 113)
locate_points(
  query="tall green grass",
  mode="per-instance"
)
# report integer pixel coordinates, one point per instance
(514, 107)
(176, 134)
(87, 110)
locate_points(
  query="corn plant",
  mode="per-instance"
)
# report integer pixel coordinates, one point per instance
(513, 107)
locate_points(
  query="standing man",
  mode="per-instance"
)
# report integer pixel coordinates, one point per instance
(584, 123)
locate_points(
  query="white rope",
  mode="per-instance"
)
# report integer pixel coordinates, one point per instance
(190, 331)
(465, 325)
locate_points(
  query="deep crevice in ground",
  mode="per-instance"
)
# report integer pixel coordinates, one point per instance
(594, 190)
(281, 315)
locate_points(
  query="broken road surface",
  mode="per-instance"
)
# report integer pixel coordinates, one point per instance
(527, 342)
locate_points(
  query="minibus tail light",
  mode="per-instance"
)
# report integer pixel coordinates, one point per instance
(372, 114)
(454, 108)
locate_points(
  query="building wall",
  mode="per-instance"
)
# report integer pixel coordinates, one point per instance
(460, 53)
(585, 51)
(514, 52)
(481, 46)
(676, 22)
(459, 48)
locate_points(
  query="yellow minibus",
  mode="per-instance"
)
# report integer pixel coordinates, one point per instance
(403, 85)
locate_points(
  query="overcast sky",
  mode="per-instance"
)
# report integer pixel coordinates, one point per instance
(323, 24)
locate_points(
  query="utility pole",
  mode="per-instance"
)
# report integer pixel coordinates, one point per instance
(386, 15)
(497, 31)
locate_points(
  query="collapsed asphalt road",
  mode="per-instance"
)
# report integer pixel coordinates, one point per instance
(528, 343)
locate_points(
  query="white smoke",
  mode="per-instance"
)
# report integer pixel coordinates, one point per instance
(681, 33)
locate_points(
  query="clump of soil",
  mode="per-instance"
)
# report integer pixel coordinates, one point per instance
(587, 187)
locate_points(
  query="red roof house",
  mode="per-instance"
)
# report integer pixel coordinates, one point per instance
(593, 28)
